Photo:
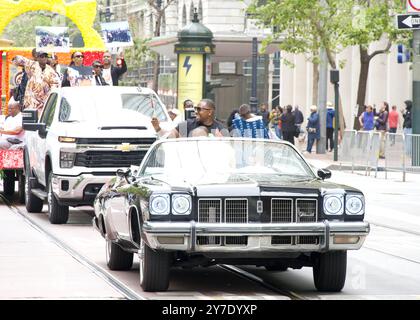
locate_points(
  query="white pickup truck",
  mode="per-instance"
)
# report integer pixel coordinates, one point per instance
(82, 137)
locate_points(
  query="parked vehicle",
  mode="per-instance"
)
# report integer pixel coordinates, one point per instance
(83, 136)
(204, 201)
(11, 163)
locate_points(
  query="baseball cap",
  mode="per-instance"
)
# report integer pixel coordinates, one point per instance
(42, 53)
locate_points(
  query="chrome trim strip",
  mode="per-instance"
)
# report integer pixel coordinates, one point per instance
(287, 194)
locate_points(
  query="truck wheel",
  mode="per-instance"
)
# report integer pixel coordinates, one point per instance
(9, 182)
(21, 187)
(32, 202)
(117, 258)
(154, 269)
(57, 214)
(329, 271)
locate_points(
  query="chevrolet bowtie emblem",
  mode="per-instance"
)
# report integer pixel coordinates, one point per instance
(125, 147)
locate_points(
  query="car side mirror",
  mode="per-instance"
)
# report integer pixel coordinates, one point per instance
(324, 174)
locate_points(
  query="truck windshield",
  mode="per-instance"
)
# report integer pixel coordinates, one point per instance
(85, 107)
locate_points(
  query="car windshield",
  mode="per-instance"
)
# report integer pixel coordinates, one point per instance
(85, 105)
(225, 160)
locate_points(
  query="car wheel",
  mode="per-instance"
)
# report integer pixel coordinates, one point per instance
(117, 258)
(154, 269)
(32, 202)
(329, 271)
(9, 182)
(57, 214)
(21, 187)
(276, 267)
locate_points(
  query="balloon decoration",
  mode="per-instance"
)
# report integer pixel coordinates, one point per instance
(81, 12)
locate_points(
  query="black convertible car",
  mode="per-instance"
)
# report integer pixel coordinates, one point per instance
(204, 201)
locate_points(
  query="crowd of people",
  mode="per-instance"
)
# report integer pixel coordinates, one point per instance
(286, 123)
(40, 75)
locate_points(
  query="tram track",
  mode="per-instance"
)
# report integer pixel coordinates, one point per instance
(124, 290)
(255, 279)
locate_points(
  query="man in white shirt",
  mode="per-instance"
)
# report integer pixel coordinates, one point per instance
(12, 130)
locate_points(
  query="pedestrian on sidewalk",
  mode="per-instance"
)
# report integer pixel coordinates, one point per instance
(313, 128)
(366, 119)
(288, 126)
(381, 126)
(298, 121)
(330, 126)
(407, 125)
(393, 120)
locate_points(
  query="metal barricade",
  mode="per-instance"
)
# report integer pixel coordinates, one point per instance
(373, 151)
(394, 153)
(366, 150)
(412, 153)
(345, 149)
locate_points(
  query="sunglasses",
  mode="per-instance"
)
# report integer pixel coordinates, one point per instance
(198, 109)
(79, 56)
(98, 67)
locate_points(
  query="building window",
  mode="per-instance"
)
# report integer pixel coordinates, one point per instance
(200, 11)
(191, 11)
(184, 15)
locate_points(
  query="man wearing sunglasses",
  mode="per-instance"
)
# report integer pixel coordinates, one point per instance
(98, 79)
(205, 116)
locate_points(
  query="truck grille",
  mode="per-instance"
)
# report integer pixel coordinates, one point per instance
(115, 141)
(236, 210)
(281, 210)
(106, 159)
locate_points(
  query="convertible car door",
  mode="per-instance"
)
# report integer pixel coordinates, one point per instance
(119, 208)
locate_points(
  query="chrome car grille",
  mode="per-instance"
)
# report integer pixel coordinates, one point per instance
(285, 210)
(235, 210)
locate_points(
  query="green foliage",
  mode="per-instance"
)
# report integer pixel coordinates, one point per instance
(137, 55)
(304, 26)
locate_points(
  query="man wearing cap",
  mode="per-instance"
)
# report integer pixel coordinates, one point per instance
(42, 78)
(205, 116)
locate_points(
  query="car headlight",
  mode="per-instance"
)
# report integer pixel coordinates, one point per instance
(355, 204)
(67, 159)
(181, 204)
(333, 204)
(159, 204)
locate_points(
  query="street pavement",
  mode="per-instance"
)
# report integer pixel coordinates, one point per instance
(32, 266)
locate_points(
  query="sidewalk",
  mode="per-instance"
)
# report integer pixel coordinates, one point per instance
(32, 266)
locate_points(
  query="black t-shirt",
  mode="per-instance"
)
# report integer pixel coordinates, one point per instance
(185, 127)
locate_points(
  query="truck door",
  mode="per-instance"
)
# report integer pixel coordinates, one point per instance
(40, 143)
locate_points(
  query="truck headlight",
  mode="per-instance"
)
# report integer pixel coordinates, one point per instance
(355, 204)
(159, 204)
(181, 204)
(67, 159)
(333, 204)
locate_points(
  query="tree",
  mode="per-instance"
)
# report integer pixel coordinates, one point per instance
(159, 12)
(372, 21)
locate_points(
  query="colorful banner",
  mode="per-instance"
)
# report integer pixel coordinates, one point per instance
(190, 78)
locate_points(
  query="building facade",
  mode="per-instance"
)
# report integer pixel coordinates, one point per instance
(278, 83)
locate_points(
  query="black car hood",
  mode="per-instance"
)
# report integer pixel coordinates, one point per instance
(251, 185)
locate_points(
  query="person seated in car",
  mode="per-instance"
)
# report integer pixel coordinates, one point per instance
(12, 133)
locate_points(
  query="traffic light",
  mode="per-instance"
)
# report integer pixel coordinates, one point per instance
(403, 54)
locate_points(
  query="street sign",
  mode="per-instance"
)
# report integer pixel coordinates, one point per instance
(408, 21)
(413, 6)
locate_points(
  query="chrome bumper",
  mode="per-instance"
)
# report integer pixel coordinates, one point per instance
(77, 184)
(259, 235)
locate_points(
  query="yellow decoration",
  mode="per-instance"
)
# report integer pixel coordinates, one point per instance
(81, 12)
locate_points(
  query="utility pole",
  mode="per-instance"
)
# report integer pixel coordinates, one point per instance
(335, 79)
(253, 100)
(416, 97)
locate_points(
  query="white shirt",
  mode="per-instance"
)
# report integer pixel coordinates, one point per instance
(11, 124)
(106, 74)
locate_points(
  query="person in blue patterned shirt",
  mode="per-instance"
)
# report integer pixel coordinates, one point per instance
(249, 125)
